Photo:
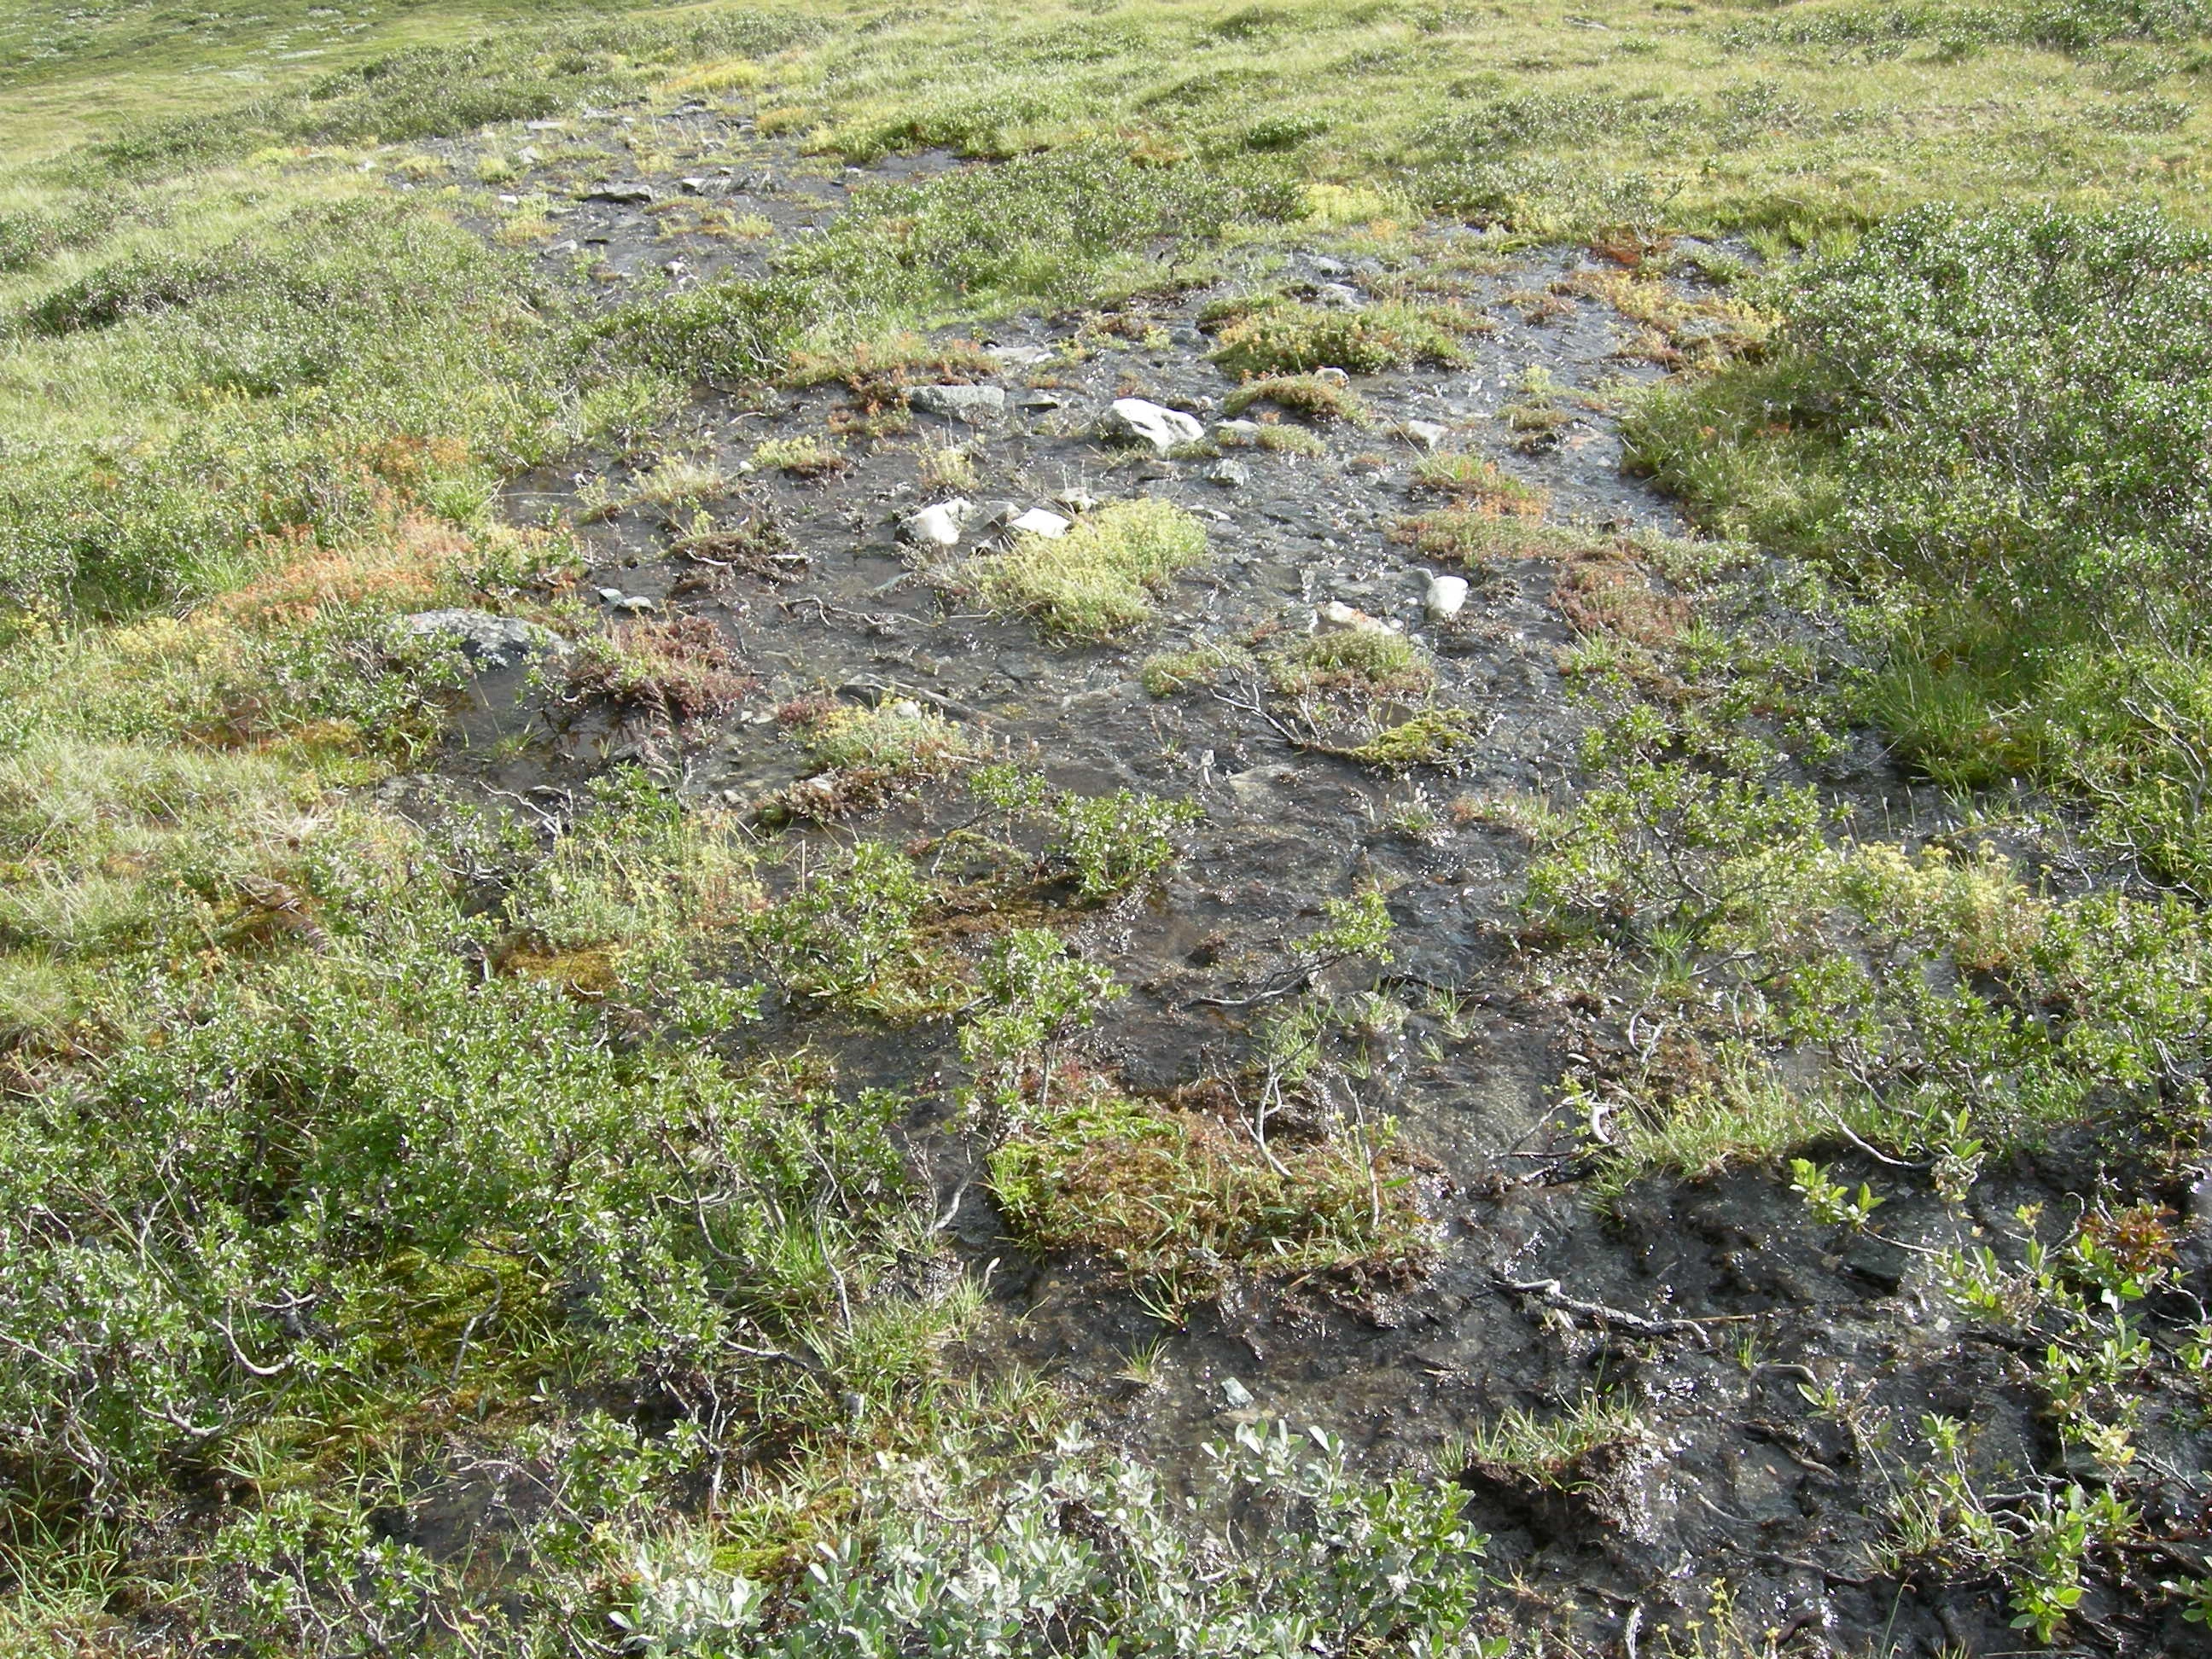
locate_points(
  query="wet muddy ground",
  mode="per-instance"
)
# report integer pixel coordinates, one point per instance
(1713, 1306)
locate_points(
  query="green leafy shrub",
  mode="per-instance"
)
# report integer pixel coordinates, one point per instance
(1116, 841)
(1287, 1556)
(305, 1190)
(340, 361)
(851, 934)
(1997, 426)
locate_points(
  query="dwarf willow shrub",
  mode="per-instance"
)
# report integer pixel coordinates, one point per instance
(1940, 989)
(2024, 399)
(1288, 1556)
(312, 1187)
(427, 92)
(303, 378)
(1056, 228)
(1997, 426)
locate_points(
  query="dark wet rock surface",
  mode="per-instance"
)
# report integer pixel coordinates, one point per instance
(1748, 1315)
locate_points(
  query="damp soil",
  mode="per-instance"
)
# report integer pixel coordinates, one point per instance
(1728, 1313)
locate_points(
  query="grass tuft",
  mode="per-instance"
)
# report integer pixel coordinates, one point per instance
(1370, 663)
(1309, 395)
(1282, 336)
(1098, 579)
(1180, 1198)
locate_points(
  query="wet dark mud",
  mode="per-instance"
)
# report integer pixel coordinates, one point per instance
(1772, 1370)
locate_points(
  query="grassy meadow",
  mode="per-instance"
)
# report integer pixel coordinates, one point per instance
(348, 1155)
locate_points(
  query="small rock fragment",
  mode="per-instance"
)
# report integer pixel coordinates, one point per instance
(1230, 475)
(1236, 432)
(1341, 296)
(1136, 419)
(972, 403)
(1018, 357)
(1077, 501)
(609, 595)
(1337, 617)
(1038, 522)
(1235, 1394)
(1446, 598)
(621, 195)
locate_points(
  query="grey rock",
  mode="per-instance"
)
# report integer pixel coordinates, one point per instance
(486, 640)
(1134, 420)
(972, 403)
(1043, 399)
(1341, 296)
(1018, 357)
(1236, 432)
(621, 195)
(1230, 475)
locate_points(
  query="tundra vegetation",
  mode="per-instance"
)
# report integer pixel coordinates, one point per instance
(437, 1217)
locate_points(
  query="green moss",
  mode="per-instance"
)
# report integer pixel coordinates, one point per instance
(1476, 536)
